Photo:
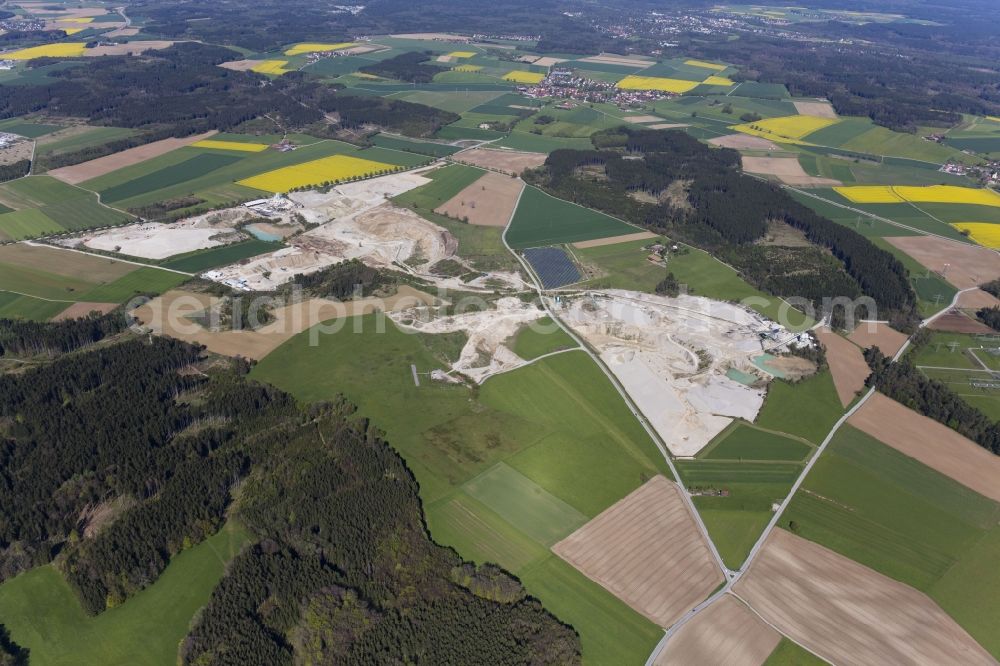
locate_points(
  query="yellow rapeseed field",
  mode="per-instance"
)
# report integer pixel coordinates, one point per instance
(633, 82)
(230, 145)
(270, 67)
(865, 194)
(63, 50)
(790, 129)
(707, 65)
(314, 47)
(718, 81)
(467, 68)
(984, 233)
(948, 194)
(993, 118)
(519, 76)
(332, 169)
(461, 54)
(72, 31)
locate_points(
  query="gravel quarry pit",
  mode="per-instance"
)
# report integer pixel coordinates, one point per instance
(153, 240)
(485, 352)
(672, 355)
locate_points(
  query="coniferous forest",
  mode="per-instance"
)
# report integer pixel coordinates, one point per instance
(116, 456)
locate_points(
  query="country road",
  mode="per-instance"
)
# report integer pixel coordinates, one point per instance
(732, 577)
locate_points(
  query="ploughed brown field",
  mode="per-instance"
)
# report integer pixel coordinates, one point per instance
(847, 613)
(787, 170)
(956, 321)
(743, 142)
(847, 364)
(727, 632)
(646, 550)
(508, 161)
(877, 334)
(960, 264)
(488, 202)
(84, 171)
(614, 240)
(930, 442)
(975, 299)
(83, 309)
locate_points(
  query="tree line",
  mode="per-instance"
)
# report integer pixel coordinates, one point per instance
(671, 183)
(21, 337)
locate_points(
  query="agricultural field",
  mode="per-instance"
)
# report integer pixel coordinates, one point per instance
(541, 219)
(525, 420)
(40, 206)
(806, 409)
(43, 614)
(329, 169)
(899, 517)
(726, 633)
(541, 338)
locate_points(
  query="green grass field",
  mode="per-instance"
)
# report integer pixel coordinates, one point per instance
(203, 260)
(446, 183)
(542, 337)
(414, 146)
(45, 205)
(568, 445)
(907, 521)
(15, 306)
(745, 442)
(807, 409)
(195, 166)
(92, 136)
(624, 265)
(42, 613)
(544, 220)
(142, 281)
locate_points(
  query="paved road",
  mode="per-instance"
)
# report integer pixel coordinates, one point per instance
(784, 504)
(621, 391)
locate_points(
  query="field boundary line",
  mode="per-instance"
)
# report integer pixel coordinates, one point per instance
(780, 632)
(41, 298)
(101, 256)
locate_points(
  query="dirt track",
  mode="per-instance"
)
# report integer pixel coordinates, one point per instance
(508, 161)
(727, 632)
(487, 202)
(877, 334)
(847, 364)
(967, 265)
(614, 240)
(78, 173)
(646, 550)
(935, 445)
(847, 613)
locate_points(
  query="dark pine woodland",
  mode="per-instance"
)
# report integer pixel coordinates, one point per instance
(114, 459)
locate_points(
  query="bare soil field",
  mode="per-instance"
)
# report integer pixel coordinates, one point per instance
(549, 61)
(787, 169)
(168, 315)
(973, 300)
(663, 126)
(743, 142)
(508, 161)
(612, 59)
(642, 119)
(613, 240)
(66, 263)
(240, 65)
(967, 265)
(129, 48)
(847, 364)
(877, 334)
(78, 173)
(647, 551)
(17, 151)
(935, 445)
(48, 9)
(819, 109)
(956, 321)
(487, 202)
(727, 632)
(847, 613)
(83, 309)
(124, 32)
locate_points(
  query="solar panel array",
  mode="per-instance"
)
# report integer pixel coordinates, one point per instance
(553, 267)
